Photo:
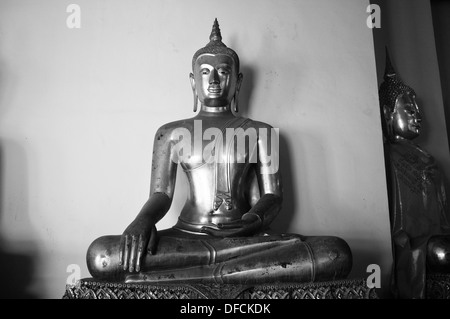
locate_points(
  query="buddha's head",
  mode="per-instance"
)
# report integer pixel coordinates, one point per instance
(401, 114)
(215, 76)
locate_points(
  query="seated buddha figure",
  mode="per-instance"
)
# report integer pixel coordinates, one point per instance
(235, 192)
(419, 212)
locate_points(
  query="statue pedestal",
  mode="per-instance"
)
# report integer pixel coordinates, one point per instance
(438, 287)
(340, 289)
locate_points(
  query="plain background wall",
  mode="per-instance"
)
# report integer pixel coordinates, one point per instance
(79, 109)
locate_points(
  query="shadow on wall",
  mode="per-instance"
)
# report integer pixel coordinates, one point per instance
(17, 258)
(16, 274)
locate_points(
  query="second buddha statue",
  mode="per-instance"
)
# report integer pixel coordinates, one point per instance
(419, 211)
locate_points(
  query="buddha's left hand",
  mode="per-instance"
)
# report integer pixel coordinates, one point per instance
(249, 224)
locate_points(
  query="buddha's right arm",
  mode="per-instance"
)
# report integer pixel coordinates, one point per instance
(141, 233)
(163, 175)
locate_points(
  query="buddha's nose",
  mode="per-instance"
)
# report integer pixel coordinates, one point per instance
(214, 77)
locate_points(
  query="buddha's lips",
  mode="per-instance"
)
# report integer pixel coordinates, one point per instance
(214, 89)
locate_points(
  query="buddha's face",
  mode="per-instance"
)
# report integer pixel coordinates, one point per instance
(215, 79)
(406, 117)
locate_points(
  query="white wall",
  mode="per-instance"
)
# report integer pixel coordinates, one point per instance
(79, 108)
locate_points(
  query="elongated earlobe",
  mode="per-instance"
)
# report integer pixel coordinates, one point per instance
(236, 94)
(195, 102)
(191, 77)
(388, 119)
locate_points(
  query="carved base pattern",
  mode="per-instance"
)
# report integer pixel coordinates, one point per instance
(340, 289)
(438, 286)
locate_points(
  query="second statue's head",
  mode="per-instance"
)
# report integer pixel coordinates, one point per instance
(215, 76)
(401, 114)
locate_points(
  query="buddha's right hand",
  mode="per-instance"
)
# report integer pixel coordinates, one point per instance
(133, 243)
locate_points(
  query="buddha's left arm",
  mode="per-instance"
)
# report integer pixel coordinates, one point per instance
(268, 176)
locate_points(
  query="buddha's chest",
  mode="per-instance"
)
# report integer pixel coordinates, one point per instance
(218, 153)
(226, 144)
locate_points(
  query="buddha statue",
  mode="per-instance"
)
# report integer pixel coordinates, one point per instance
(235, 191)
(419, 212)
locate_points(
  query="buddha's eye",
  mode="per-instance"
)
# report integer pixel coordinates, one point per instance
(410, 111)
(205, 71)
(223, 71)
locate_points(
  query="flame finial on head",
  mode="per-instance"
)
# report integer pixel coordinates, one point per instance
(392, 85)
(215, 32)
(389, 69)
(216, 46)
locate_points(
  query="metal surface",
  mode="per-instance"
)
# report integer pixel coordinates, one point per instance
(417, 193)
(221, 234)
